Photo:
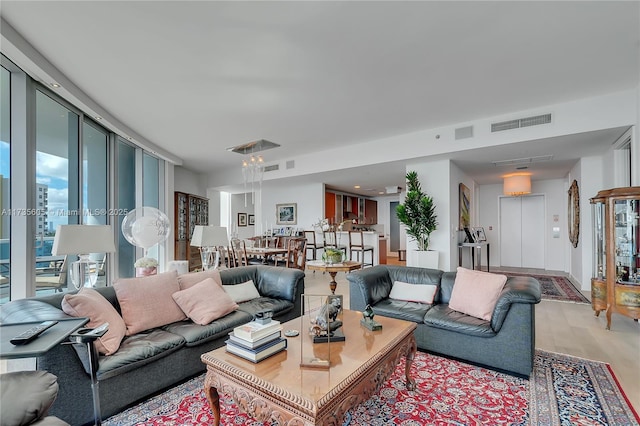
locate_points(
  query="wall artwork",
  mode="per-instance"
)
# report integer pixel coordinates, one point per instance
(465, 206)
(286, 214)
(242, 219)
(252, 220)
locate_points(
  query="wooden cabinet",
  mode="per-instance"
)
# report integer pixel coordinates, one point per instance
(190, 210)
(615, 286)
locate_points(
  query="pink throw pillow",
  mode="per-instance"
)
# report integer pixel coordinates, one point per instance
(90, 304)
(193, 278)
(476, 293)
(205, 302)
(146, 302)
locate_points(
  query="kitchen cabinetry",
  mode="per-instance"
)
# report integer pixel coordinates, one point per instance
(190, 210)
(340, 207)
(615, 285)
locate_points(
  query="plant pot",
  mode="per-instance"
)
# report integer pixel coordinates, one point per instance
(146, 271)
(424, 259)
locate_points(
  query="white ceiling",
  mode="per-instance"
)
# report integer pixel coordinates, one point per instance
(195, 78)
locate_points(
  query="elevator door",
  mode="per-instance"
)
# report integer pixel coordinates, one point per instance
(522, 231)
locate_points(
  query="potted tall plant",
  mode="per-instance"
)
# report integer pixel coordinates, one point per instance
(418, 214)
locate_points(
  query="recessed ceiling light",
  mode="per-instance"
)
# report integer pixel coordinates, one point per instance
(356, 186)
(98, 117)
(380, 192)
(56, 85)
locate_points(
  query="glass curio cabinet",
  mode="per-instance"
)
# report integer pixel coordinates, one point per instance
(615, 283)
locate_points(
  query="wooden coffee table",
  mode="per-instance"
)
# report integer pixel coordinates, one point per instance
(333, 269)
(278, 390)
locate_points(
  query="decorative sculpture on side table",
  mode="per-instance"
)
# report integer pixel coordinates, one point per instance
(367, 319)
(326, 325)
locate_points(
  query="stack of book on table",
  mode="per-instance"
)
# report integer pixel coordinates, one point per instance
(255, 341)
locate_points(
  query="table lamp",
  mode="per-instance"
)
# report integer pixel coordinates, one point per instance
(83, 240)
(208, 238)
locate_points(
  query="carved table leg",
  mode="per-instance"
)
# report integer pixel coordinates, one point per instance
(214, 403)
(411, 384)
(333, 284)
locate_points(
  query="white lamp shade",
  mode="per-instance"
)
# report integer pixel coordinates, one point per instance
(209, 236)
(83, 239)
(517, 185)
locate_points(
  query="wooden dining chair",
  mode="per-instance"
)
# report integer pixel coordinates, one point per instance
(297, 254)
(356, 244)
(312, 244)
(237, 253)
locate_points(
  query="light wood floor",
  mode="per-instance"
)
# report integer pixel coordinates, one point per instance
(562, 327)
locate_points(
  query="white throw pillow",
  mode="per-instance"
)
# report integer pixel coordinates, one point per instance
(242, 292)
(423, 293)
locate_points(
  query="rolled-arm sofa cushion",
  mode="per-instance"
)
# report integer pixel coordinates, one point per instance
(516, 290)
(205, 302)
(410, 292)
(146, 302)
(90, 304)
(476, 293)
(242, 292)
(26, 396)
(189, 280)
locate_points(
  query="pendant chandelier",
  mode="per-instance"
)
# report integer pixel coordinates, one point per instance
(252, 165)
(252, 172)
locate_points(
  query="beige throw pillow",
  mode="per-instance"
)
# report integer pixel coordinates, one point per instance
(146, 302)
(88, 303)
(476, 293)
(193, 278)
(205, 302)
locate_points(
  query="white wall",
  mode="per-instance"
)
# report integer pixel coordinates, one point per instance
(238, 206)
(308, 197)
(489, 219)
(190, 182)
(433, 177)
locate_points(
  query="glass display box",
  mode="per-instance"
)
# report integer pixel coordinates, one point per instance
(615, 282)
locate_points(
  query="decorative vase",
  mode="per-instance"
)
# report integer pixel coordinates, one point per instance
(331, 257)
(146, 271)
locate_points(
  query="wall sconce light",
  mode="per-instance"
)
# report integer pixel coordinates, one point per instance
(517, 184)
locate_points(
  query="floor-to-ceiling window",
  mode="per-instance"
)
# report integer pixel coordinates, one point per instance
(57, 181)
(126, 200)
(59, 171)
(95, 188)
(5, 176)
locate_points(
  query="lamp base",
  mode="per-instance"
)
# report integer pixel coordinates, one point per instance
(84, 272)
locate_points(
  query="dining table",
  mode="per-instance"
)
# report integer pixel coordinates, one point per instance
(265, 252)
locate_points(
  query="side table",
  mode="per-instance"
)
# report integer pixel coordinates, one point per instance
(473, 247)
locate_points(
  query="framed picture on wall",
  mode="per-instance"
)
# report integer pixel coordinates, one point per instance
(252, 220)
(287, 214)
(242, 219)
(465, 206)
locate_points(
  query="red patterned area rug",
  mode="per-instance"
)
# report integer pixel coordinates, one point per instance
(556, 288)
(563, 390)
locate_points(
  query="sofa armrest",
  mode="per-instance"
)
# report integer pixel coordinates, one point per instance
(516, 290)
(368, 287)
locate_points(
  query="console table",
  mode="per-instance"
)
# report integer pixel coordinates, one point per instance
(473, 247)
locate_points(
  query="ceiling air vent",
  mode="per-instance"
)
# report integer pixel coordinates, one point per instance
(464, 132)
(521, 122)
(271, 168)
